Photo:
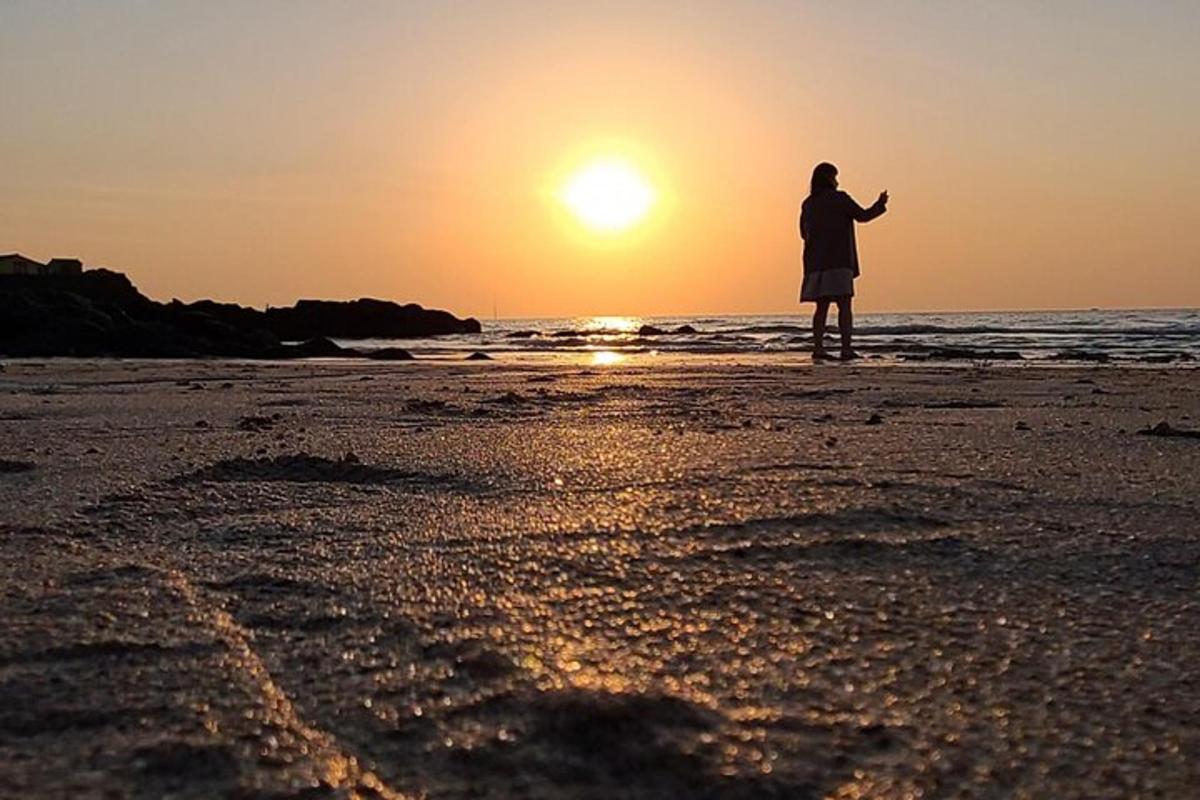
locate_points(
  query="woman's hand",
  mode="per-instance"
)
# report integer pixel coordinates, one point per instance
(883, 198)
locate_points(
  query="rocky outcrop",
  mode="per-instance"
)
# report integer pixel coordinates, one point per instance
(650, 330)
(363, 319)
(101, 313)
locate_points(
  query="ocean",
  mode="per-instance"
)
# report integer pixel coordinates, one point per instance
(1133, 337)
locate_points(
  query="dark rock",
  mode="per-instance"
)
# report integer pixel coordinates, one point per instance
(101, 313)
(363, 319)
(686, 329)
(1165, 358)
(1081, 355)
(478, 356)
(963, 354)
(1165, 428)
(390, 354)
(650, 330)
(874, 419)
(7, 466)
(319, 347)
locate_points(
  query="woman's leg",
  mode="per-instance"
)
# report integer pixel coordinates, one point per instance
(819, 317)
(846, 327)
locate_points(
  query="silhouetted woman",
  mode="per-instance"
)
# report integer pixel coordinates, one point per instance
(827, 220)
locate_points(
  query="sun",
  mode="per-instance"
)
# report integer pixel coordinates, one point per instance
(608, 195)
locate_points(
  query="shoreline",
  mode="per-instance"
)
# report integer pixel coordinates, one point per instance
(625, 361)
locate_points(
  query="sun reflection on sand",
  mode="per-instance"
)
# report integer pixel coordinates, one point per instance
(605, 358)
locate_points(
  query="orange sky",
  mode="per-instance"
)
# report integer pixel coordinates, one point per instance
(1036, 157)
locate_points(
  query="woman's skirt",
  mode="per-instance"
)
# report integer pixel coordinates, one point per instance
(827, 284)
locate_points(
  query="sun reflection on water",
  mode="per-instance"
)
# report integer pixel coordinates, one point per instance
(616, 324)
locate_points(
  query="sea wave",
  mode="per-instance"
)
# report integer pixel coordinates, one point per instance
(968, 330)
(1155, 337)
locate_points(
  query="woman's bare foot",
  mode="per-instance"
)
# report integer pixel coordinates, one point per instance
(821, 355)
(849, 355)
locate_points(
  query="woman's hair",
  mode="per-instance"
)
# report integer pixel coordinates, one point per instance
(822, 178)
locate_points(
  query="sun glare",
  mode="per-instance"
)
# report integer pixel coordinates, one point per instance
(618, 324)
(608, 195)
(606, 358)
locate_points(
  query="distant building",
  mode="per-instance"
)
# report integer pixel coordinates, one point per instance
(63, 266)
(17, 264)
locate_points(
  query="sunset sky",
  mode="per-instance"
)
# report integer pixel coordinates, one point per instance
(1038, 154)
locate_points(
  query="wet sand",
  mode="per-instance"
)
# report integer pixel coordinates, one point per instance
(492, 581)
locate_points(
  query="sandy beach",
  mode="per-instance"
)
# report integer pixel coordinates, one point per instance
(488, 580)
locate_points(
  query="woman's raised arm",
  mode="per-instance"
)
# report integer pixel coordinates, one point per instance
(860, 214)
